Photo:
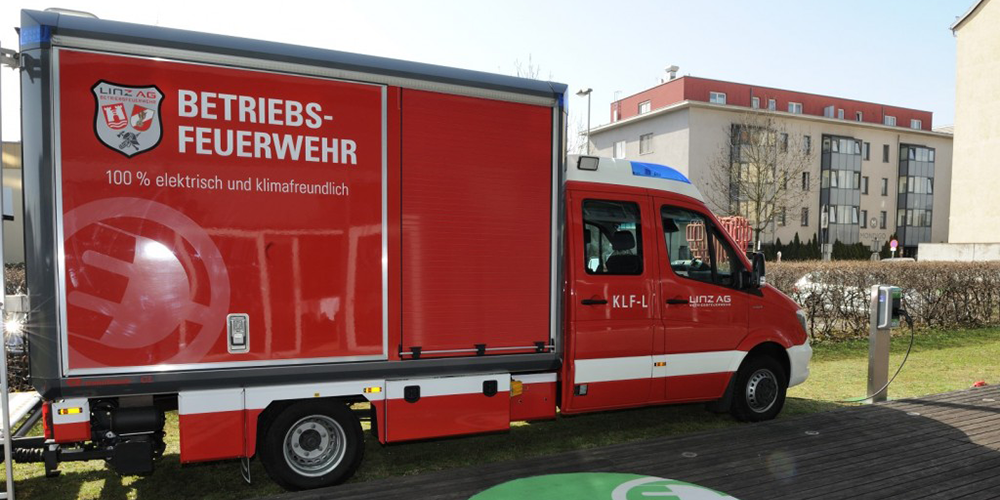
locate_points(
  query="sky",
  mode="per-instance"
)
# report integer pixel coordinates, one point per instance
(892, 52)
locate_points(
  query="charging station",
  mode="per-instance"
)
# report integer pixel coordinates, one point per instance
(886, 307)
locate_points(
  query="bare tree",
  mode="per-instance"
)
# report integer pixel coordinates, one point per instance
(576, 131)
(529, 70)
(756, 171)
(576, 135)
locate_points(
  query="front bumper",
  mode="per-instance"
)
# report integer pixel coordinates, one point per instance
(798, 357)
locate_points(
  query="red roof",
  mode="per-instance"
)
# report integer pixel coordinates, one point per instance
(690, 88)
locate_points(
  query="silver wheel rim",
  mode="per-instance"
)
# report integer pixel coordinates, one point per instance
(315, 445)
(762, 390)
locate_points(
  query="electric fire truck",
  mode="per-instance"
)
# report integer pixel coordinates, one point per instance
(260, 236)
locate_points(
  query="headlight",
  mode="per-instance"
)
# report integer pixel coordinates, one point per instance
(802, 321)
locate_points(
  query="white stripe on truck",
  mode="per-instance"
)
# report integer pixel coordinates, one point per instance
(257, 398)
(448, 386)
(612, 369)
(698, 363)
(535, 378)
(641, 367)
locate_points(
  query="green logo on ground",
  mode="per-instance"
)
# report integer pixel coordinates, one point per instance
(599, 485)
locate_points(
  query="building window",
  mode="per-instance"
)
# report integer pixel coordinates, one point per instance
(643, 107)
(645, 144)
(916, 184)
(717, 97)
(890, 121)
(755, 102)
(772, 105)
(885, 153)
(827, 111)
(805, 217)
(885, 187)
(916, 190)
(864, 185)
(613, 236)
(882, 219)
(620, 149)
(843, 179)
(916, 124)
(864, 219)
(805, 181)
(840, 114)
(867, 151)
(784, 142)
(807, 145)
(782, 220)
(795, 107)
(859, 116)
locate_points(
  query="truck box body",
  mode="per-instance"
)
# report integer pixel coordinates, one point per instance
(210, 207)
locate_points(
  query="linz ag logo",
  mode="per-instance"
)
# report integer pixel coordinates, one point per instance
(127, 117)
(710, 300)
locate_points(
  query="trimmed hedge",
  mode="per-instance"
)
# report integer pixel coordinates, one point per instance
(936, 294)
(798, 250)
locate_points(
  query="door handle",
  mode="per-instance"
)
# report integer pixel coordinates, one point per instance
(677, 301)
(593, 302)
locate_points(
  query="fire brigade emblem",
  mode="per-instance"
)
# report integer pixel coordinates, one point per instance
(127, 118)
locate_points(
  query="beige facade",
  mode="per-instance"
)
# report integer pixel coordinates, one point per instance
(690, 136)
(13, 230)
(975, 210)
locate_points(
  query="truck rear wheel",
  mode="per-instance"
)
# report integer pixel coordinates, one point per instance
(759, 392)
(312, 444)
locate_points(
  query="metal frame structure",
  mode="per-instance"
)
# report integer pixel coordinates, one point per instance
(10, 59)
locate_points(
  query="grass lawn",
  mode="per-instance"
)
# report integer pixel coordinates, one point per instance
(941, 361)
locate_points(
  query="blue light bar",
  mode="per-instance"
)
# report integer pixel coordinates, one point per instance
(659, 171)
(35, 34)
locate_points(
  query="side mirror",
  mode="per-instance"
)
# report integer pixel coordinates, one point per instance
(757, 279)
(744, 279)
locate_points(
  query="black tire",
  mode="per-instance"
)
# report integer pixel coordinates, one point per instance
(324, 442)
(759, 392)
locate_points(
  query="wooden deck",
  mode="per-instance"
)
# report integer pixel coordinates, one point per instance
(941, 446)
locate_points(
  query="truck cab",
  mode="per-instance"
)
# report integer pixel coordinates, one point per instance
(663, 305)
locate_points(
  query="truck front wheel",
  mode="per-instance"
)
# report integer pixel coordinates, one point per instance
(759, 392)
(312, 444)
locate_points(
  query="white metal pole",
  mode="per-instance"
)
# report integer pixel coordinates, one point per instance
(8, 440)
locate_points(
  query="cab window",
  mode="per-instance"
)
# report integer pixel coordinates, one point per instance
(612, 237)
(696, 249)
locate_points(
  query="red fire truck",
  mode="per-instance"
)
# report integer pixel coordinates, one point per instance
(260, 236)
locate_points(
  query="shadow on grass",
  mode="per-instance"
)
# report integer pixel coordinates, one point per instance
(563, 434)
(91, 480)
(222, 480)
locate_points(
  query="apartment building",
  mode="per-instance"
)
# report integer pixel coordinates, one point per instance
(874, 170)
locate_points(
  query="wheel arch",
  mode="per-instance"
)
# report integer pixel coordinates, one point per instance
(770, 349)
